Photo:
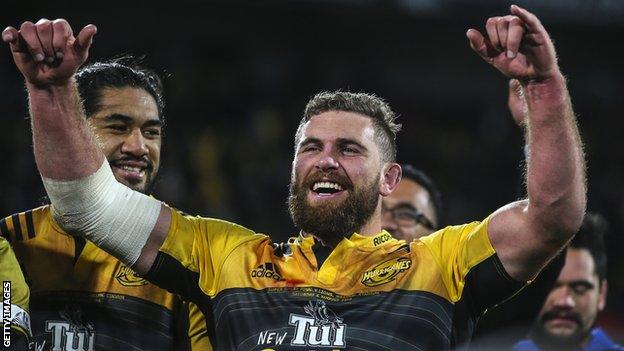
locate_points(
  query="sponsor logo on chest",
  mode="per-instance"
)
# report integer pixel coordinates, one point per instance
(70, 333)
(267, 270)
(386, 272)
(320, 327)
(127, 277)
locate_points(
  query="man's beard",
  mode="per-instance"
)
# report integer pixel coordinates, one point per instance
(549, 341)
(331, 222)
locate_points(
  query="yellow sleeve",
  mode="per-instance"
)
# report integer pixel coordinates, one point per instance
(189, 260)
(471, 270)
(15, 291)
(458, 249)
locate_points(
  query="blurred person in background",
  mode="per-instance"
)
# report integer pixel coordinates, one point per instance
(414, 208)
(567, 320)
(331, 286)
(15, 297)
(82, 297)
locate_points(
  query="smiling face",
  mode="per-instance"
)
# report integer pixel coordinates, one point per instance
(570, 311)
(337, 177)
(129, 131)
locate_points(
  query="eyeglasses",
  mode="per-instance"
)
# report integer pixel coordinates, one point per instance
(407, 216)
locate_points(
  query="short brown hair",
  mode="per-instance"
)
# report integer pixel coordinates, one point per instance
(369, 105)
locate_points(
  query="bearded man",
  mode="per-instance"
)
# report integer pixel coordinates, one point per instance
(343, 282)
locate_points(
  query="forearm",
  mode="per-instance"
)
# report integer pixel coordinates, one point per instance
(86, 198)
(64, 147)
(555, 166)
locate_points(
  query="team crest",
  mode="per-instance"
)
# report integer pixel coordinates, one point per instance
(127, 277)
(386, 272)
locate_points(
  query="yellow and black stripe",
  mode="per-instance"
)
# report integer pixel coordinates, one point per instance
(18, 227)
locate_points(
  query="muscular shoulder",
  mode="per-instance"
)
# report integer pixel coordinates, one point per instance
(193, 237)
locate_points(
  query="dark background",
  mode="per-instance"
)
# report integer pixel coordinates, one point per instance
(238, 76)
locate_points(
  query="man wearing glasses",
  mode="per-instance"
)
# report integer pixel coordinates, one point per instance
(414, 209)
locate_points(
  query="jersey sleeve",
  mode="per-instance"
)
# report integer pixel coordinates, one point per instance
(15, 296)
(471, 270)
(189, 260)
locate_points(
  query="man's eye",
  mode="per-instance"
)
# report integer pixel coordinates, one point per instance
(152, 133)
(118, 128)
(405, 214)
(350, 150)
(580, 289)
(309, 148)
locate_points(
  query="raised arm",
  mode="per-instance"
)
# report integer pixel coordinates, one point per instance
(85, 196)
(528, 233)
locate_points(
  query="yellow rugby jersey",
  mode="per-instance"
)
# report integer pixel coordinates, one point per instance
(84, 299)
(368, 293)
(15, 295)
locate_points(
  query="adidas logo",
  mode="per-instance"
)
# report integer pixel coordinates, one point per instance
(266, 270)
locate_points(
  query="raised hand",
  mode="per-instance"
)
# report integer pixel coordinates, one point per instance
(47, 53)
(517, 45)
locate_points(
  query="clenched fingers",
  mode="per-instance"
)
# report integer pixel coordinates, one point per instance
(515, 35)
(28, 35)
(481, 45)
(62, 32)
(45, 33)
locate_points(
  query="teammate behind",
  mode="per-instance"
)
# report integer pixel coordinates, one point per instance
(414, 208)
(567, 320)
(81, 296)
(343, 282)
(15, 295)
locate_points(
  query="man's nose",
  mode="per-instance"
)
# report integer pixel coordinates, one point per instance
(564, 298)
(134, 144)
(327, 162)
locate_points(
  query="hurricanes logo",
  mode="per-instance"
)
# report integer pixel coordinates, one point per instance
(266, 270)
(127, 277)
(386, 272)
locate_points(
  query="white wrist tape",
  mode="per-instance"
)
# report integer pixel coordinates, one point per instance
(97, 207)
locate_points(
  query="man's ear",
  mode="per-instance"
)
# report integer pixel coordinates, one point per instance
(390, 178)
(602, 295)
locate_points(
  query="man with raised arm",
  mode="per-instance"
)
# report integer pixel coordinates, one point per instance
(82, 298)
(343, 282)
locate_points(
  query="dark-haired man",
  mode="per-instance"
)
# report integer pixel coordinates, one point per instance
(342, 283)
(567, 320)
(83, 298)
(414, 208)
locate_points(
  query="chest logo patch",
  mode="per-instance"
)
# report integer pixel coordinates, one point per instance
(127, 277)
(266, 270)
(386, 272)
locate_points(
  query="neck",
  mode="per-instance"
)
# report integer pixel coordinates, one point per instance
(372, 227)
